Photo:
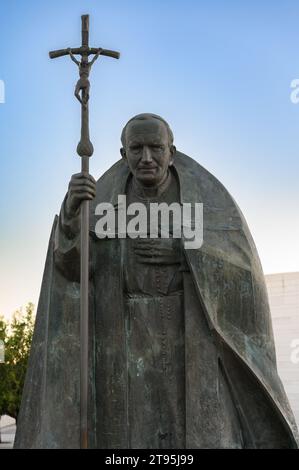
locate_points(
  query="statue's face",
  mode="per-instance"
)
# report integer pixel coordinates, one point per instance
(148, 151)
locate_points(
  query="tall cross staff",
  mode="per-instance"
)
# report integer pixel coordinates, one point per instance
(84, 150)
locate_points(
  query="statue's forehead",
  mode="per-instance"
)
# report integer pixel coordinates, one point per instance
(151, 128)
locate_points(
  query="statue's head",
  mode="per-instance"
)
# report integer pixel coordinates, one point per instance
(148, 148)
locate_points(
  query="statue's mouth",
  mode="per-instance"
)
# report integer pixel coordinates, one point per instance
(145, 169)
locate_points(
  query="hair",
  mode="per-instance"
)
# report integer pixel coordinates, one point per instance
(146, 117)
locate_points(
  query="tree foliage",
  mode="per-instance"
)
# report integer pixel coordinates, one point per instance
(17, 337)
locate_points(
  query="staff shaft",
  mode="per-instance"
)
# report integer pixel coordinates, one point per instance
(84, 316)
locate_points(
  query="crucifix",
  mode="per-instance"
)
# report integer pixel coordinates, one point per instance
(84, 150)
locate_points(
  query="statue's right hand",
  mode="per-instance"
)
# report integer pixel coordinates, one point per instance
(82, 187)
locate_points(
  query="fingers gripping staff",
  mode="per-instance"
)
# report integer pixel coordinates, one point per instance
(84, 150)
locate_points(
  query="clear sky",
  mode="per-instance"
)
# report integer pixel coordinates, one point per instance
(218, 71)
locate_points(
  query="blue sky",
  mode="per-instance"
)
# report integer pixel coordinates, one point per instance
(219, 72)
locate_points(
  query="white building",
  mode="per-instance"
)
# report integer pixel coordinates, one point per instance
(283, 292)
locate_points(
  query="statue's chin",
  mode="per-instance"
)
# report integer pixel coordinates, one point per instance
(148, 181)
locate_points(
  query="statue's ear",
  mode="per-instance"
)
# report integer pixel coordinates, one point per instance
(123, 153)
(172, 154)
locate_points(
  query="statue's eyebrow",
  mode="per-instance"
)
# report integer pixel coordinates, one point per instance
(136, 140)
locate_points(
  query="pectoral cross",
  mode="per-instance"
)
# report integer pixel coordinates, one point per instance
(85, 150)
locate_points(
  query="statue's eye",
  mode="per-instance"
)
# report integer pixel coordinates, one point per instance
(135, 147)
(158, 147)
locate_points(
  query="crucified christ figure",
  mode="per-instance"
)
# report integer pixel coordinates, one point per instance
(83, 84)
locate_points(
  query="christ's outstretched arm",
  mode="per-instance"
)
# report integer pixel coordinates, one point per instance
(73, 57)
(95, 56)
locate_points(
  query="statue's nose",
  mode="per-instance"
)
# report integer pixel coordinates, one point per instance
(146, 155)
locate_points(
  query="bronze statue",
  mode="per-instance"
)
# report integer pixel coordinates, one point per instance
(181, 350)
(143, 341)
